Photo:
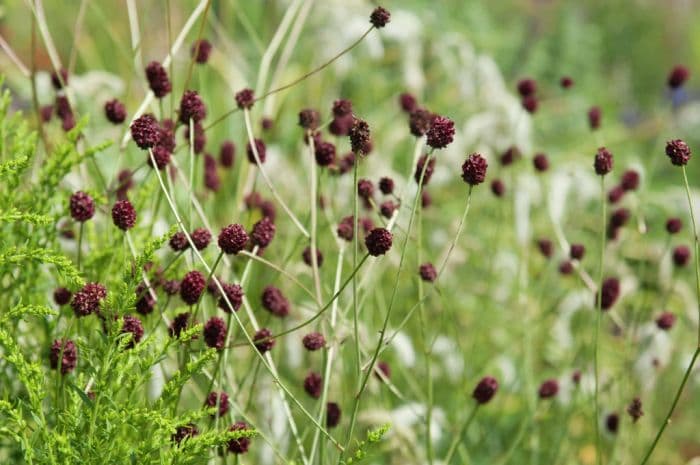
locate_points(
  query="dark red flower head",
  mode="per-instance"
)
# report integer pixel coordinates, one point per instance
(677, 77)
(546, 247)
(566, 82)
(379, 17)
(332, 414)
(240, 445)
(87, 300)
(666, 321)
(530, 104)
(577, 251)
(346, 229)
(245, 98)
(61, 296)
(275, 302)
(485, 390)
(132, 325)
(360, 137)
(161, 155)
(46, 111)
(158, 79)
(82, 207)
(674, 225)
(263, 340)
(341, 125)
(314, 341)
(66, 352)
(678, 151)
(420, 166)
(474, 169)
(548, 389)
(378, 241)
(233, 238)
(234, 293)
(192, 107)
(309, 119)
(612, 422)
(263, 232)
(630, 180)
(260, 148)
(619, 218)
(166, 137)
(179, 323)
(427, 272)
(540, 162)
(527, 87)
(324, 153)
(511, 154)
(594, 116)
(215, 333)
(386, 185)
(145, 302)
(201, 49)
(387, 209)
(184, 432)
(313, 384)
(419, 121)
(123, 215)
(200, 137)
(498, 188)
(306, 256)
(603, 162)
(634, 409)
(115, 111)
(611, 291)
(192, 286)
(218, 400)
(145, 131)
(227, 154)
(566, 267)
(441, 132)
(201, 237)
(615, 194)
(342, 107)
(60, 79)
(365, 188)
(178, 241)
(681, 255)
(408, 102)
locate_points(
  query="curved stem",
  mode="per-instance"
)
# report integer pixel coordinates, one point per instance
(599, 311)
(458, 438)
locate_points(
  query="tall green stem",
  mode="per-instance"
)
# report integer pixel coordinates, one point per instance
(599, 311)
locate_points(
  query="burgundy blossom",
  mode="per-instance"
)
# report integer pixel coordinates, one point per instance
(215, 333)
(66, 352)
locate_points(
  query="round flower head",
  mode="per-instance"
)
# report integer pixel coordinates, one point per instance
(115, 111)
(615, 194)
(511, 154)
(266, 123)
(61, 296)
(314, 341)
(681, 255)
(234, 293)
(577, 251)
(178, 241)
(161, 155)
(60, 79)
(619, 217)
(474, 169)
(427, 272)
(420, 166)
(263, 340)
(342, 107)
(566, 267)
(123, 215)
(665, 321)
(360, 137)
(132, 325)
(63, 109)
(87, 300)
(82, 207)
(527, 87)
(530, 104)
(441, 132)
(166, 135)
(192, 107)
(260, 148)
(548, 389)
(384, 369)
(219, 399)
(306, 256)
(171, 286)
(387, 209)
(419, 121)
(191, 287)
(378, 241)
(603, 162)
(674, 225)
(245, 99)
(240, 445)
(201, 237)
(158, 79)
(485, 390)
(215, 333)
(386, 185)
(634, 409)
(200, 137)
(365, 188)
(179, 324)
(678, 151)
(232, 239)
(313, 384)
(145, 131)
(566, 82)
(201, 49)
(309, 119)
(677, 77)
(145, 302)
(611, 291)
(576, 377)
(594, 116)
(407, 102)
(227, 154)
(630, 180)
(612, 422)
(66, 352)
(324, 153)
(332, 414)
(46, 112)
(275, 302)
(540, 162)
(263, 232)
(346, 229)
(546, 247)
(379, 17)
(184, 432)
(498, 188)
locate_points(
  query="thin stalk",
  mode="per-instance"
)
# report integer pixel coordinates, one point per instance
(427, 347)
(355, 237)
(599, 311)
(80, 242)
(313, 181)
(462, 431)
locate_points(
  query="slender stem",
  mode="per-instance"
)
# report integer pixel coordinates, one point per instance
(355, 238)
(80, 242)
(462, 431)
(599, 311)
(313, 181)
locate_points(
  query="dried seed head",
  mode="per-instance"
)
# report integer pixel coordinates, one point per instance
(133, 326)
(313, 384)
(200, 51)
(115, 111)
(275, 302)
(191, 287)
(603, 162)
(678, 151)
(314, 341)
(145, 131)
(233, 238)
(441, 132)
(215, 333)
(263, 340)
(378, 241)
(245, 98)
(474, 169)
(158, 79)
(192, 107)
(123, 215)
(66, 352)
(485, 390)
(379, 17)
(82, 207)
(677, 77)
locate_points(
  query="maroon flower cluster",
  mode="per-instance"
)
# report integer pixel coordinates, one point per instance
(603, 161)
(215, 333)
(474, 169)
(115, 111)
(275, 302)
(192, 286)
(378, 241)
(220, 399)
(132, 325)
(441, 132)
(485, 390)
(65, 352)
(123, 215)
(82, 207)
(263, 340)
(192, 107)
(313, 384)
(87, 300)
(263, 232)
(157, 79)
(245, 99)
(145, 131)
(678, 152)
(314, 341)
(201, 49)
